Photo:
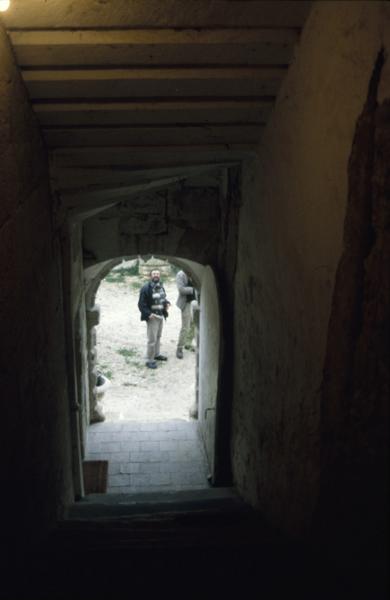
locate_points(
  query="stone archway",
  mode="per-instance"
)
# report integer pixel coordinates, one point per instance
(195, 220)
(208, 352)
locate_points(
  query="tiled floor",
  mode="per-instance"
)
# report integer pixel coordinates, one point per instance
(149, 456)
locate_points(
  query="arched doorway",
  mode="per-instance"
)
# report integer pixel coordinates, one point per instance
(153, 445)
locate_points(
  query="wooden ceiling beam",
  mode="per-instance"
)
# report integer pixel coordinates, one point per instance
(148, 86)
(168, 82)
(155, 13)
(154, 47)
(152, 136)
(153, 113)
(70, 177)
(139, 157)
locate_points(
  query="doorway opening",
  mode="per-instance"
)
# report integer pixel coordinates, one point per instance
(148, 434)
(130, 390)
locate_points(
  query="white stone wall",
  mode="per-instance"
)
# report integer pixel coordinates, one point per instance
(290, 243)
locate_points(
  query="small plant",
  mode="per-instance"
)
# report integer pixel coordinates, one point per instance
(133, 270)
(104, 370)
(136, 285)
(137, 364)
(115, 277)
(127, 352)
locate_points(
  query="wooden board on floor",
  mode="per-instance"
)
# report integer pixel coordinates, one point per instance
(95, 476)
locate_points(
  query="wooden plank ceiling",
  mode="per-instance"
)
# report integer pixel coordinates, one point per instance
(152, 87)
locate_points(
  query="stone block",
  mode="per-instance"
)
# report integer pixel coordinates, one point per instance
(110, 447)
(140, 479)
(149, 467)
(160, 478)
(194, 205)
(119, 480)
(93, 316)
(149, 446)
(121, 457)
(131, 468)
(143, 225)
(130, 446)
(169, 445)
(145, 204)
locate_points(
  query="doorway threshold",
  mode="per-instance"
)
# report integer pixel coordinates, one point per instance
(103, 506)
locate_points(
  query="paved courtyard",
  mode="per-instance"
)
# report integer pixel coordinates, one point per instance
(149, 456)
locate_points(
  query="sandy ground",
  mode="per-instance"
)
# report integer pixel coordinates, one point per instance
(136, 392)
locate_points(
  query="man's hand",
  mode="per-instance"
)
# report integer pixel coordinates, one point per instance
(151, 316)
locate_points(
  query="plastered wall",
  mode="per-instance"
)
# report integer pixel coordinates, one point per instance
(177, 221)
(290, 244)
(35, 444)
(209, 362)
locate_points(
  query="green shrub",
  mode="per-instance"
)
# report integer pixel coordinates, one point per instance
(119, 275)
(129, 355)
(115, 277)
(128, 271)
(127, 352)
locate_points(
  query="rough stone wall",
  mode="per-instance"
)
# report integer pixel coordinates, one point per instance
(178, 221)
(290, 244)
(225, 274)
(355, 391)
(35, 420)
(77, 325)
(209, 362)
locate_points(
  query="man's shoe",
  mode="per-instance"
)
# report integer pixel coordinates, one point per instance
(151, 364)
(179, 353)
(160, 357)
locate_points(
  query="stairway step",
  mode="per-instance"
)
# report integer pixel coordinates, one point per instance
(106, 506)
(211, 518)
(119, 546)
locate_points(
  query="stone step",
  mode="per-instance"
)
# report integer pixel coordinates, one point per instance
(208, 542)
(105, 506)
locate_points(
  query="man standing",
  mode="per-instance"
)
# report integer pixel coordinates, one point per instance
(186, 295)
(153, 305)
